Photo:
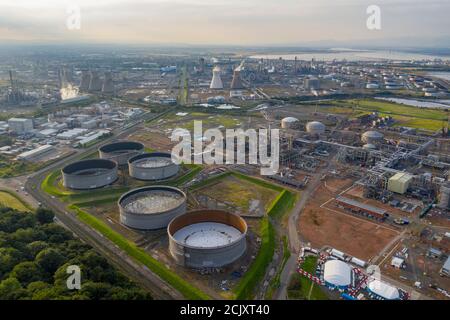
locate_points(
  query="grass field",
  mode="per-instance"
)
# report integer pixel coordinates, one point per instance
(240, 193)
(10, 200)
(408, 116)
(301, 287)
(208, 121)
(138, 254)
(245, 288)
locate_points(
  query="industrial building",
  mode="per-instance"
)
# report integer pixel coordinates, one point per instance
(444, 202)
(89, 174)
(337, 274)
(151, 207)
(152, 166)
(312, 83)
(28, 155)
(362, 208)
(383, 291)
(20, 125)
(399, 183)
(121, 151)
(207, 238)
(445, 270)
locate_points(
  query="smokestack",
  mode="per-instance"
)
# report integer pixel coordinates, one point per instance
(11, 80)
(202, 65)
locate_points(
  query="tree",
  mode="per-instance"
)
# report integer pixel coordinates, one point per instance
(49, 260)
(26, 272)
(44, 216)
(35, 247)
(9, 288)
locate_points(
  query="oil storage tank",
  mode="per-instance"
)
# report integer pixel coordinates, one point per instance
(207, 238)
(89, 174)
(121, 151)
(152, 166)
(151, 207)
(315, 127)
(372, 137)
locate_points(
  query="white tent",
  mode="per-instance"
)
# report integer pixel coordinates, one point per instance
(384, 290)
(337, 273)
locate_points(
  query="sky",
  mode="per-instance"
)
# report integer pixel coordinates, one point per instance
(226, 22)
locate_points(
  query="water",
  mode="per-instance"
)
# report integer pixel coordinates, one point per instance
(418, 103)
(442, 75)
(353, 55)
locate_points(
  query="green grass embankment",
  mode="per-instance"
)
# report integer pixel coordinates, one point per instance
(138, 254)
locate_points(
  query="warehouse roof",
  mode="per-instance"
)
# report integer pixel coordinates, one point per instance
(360, 205)
(401, 177)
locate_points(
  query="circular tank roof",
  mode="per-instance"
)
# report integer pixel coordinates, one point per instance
(369, 146)
(337, 273)
(91, 166)
(315, 126)
(152, 200)
(121, 146)
(289, 119)
(373, 135)
(152, 160)
(207, 229)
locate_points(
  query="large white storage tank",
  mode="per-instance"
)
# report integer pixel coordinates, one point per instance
(289, 123)
(315, 127)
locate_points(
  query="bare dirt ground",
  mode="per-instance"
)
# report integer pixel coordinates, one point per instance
(354, 235)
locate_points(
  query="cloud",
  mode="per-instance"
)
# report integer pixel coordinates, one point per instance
(221, 21)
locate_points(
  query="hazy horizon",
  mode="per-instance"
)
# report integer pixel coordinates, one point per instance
(228, 22)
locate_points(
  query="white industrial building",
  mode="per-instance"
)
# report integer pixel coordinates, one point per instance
(35, 152)
(337, 274)
(445, 270)
(398, 263)
(20, 125)
(71, 134)
(383, 290)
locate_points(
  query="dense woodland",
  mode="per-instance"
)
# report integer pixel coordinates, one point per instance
(35, 253)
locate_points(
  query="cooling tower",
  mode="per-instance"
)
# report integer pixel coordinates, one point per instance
(85, 80)
(96, 83)
(108, 85)
(236, 83)
(216, 82)
(202, 65)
